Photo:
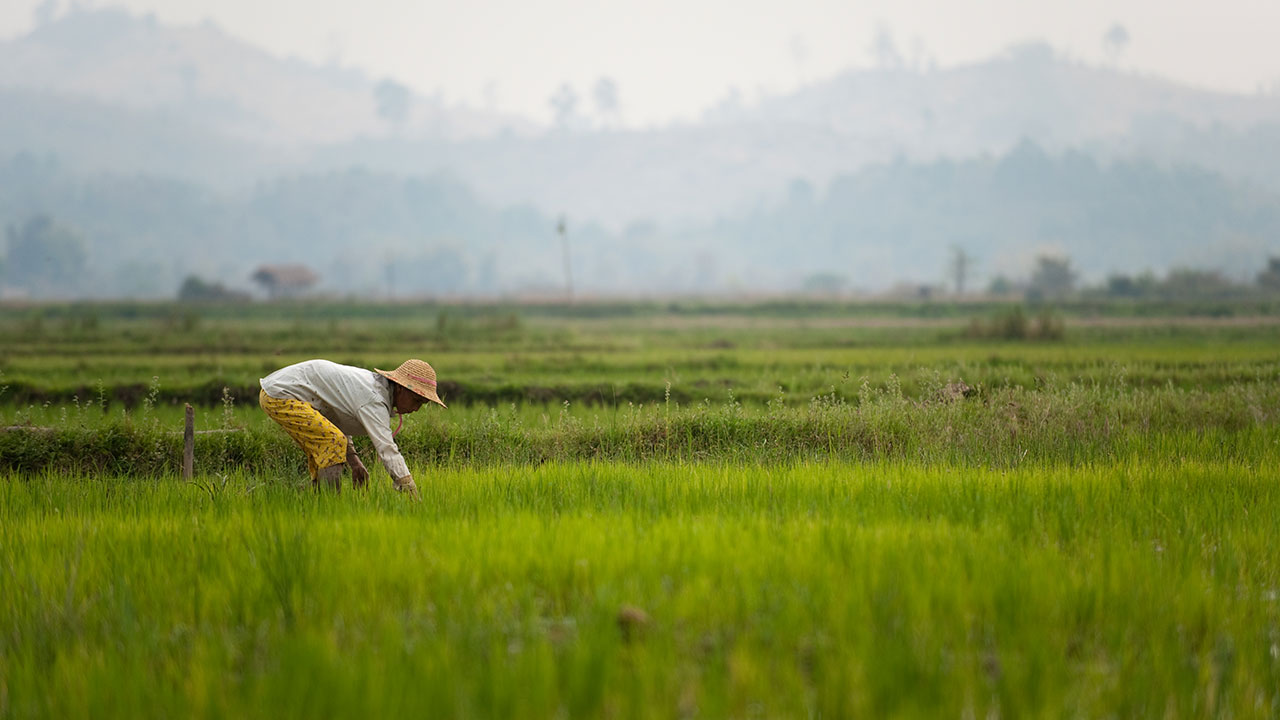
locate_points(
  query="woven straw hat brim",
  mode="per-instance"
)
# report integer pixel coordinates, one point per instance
(426, 392)
(418, 377)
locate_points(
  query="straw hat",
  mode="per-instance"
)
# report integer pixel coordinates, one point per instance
(417, 376)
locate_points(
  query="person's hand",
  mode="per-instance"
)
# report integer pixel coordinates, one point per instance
(359, 473)
(406, 485)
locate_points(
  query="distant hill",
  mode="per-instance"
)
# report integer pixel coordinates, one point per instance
(183, 150)
(219, 110)
(1027, 92)
(376, 234)
(89, 135)
(900, 222)
(203, 77)
(740, 156)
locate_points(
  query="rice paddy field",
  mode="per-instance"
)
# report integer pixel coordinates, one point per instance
(650, 510)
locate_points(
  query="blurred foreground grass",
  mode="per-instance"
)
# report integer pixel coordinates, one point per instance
(1135, 588)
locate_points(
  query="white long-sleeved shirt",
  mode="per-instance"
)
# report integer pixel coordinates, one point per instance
(357, 401)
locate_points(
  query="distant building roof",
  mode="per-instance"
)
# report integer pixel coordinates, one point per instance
(286, 276)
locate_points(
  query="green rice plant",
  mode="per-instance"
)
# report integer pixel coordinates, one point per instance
(998, 427)
(614, 354)
(1136, 587)
(684, 376)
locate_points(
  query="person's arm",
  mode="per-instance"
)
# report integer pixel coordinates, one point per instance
(373, 418)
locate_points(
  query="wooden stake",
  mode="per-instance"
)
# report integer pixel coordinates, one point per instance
(189, 444)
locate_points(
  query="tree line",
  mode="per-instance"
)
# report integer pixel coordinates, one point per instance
(987, 222)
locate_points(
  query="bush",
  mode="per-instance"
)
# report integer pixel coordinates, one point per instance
(1013, 324)
(195, 289)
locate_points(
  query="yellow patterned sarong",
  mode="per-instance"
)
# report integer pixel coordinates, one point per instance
(322, 441)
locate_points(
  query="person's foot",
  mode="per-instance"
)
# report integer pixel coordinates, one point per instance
(331, 477)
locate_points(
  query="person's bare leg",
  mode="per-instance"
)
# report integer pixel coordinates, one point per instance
(331, 477)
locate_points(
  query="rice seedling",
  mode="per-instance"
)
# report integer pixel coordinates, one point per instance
(1135, 587)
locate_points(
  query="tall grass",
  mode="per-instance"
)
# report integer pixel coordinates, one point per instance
(1058, 423)
(1134, 588)
(610, 353)
(1073, 423)
(687, 374)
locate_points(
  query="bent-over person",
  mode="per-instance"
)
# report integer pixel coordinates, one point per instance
(321, 404)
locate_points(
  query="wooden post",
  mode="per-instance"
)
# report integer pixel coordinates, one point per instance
(189, 444)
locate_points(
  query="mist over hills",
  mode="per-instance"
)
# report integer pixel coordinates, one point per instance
(94, 136)
(382, 235)
(201, 75)
(172, 151)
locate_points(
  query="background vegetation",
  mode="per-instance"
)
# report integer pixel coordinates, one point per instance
(1158, 231)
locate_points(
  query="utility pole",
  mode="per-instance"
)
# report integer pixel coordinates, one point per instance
(390, 269)
(562, 228)
(960, 261)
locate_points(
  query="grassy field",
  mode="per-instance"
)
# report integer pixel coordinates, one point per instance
(782, 510)
(1132, 589)
(614, 354)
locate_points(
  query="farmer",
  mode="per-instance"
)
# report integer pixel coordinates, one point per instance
(321, 404)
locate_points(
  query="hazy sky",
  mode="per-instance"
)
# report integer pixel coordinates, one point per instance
(671, 59)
